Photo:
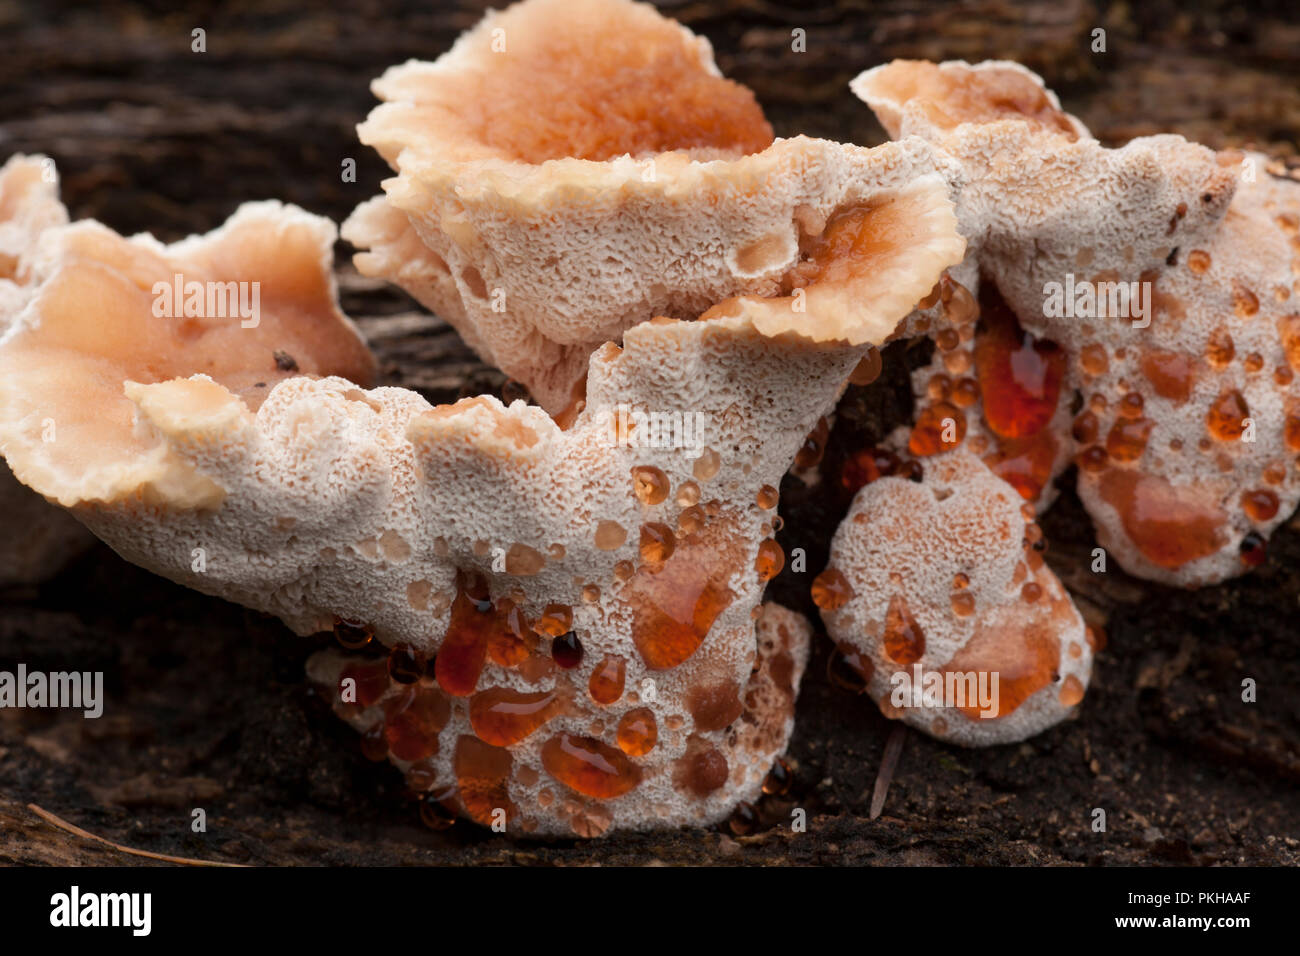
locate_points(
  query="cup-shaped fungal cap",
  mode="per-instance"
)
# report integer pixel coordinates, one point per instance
(940, 585)
(567, 171)
(242, 308)
(1147, 290)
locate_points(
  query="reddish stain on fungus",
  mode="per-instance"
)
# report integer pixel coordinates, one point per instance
(715, 706)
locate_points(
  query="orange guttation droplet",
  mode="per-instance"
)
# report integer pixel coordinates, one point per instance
(1291, 432)
(1253, 549)
(1093, 359)
(1071, 691)
(849, 669)
(1024, 656)
(435, 810)
(1171, 525)
(814, 446)
(657, 542)
(959, 306)
(1025, 463)
(606, 682)
(353, 635)
(831, 590)
(1288, 330)
(675, 604)
(638, 732)
(744, 820)
(904, 641)
(413, 720)
(1219, 349)
(767, 497)
(1198, 260)
(1085, 428)
(482, 779)
(1128, 438)
(963, 603)
(649, 484)
(865, 466)
(1260, 505)
(589, 766)
(702, 769)
(371, 679)
(510, 646)
(1019, 375)
(1131, 405)
(566, 651)
(770, 560)
(405, 664)
(557, 619)
(502, 717)
(463, 652)
(778, 779)
(1093, 459)
(939, 427)
(1226, 419)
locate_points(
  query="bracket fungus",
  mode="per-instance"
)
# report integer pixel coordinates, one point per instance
(569, 169)
(1154, 281)
(39, 540)
(937, 591)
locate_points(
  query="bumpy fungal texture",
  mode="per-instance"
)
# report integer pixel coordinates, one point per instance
(943, 577)
(643, 756)
(98, 328)
(568, 170)
(1189, 426)
(39, 540)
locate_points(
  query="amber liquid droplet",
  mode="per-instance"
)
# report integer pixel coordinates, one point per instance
(1170, 525)
(353, 635)
(831, 590)
(1085, 428)
(1025, 463)
(1019, 376)
(1130, 406)
(1260, 505)
(1253, 549)
(463, 653)
(413, 721)
(371, 679)
(939, 427)
(649, 484)
(610, 535)
(868, 369)
(865, 466)
(743, 820)
(1031, 592)
(566, 651)
(1128, 439)
(1198, 260)
(814, 445)
(557, 619)
(657, 542)
(482, 779)
(1094, 459)
(1170, 373)
(638, 732)
(1093, 359)
(778, 779)
(606, 682)
(849, 669)
(963, 604)
(1219, 350)
(1226, 419)
(707, 465)
(435, 813)
(965, 393)
(767, 497)
(502, 717)
(405, 664)
(1071, 691)
(589, 766)
(675, 604)
(959, 306)
(770, 560)
(904, 642)
(374, 743)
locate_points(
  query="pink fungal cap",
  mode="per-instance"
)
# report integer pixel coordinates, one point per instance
(568, 170)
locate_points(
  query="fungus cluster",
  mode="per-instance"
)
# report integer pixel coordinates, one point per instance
(552, 617)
